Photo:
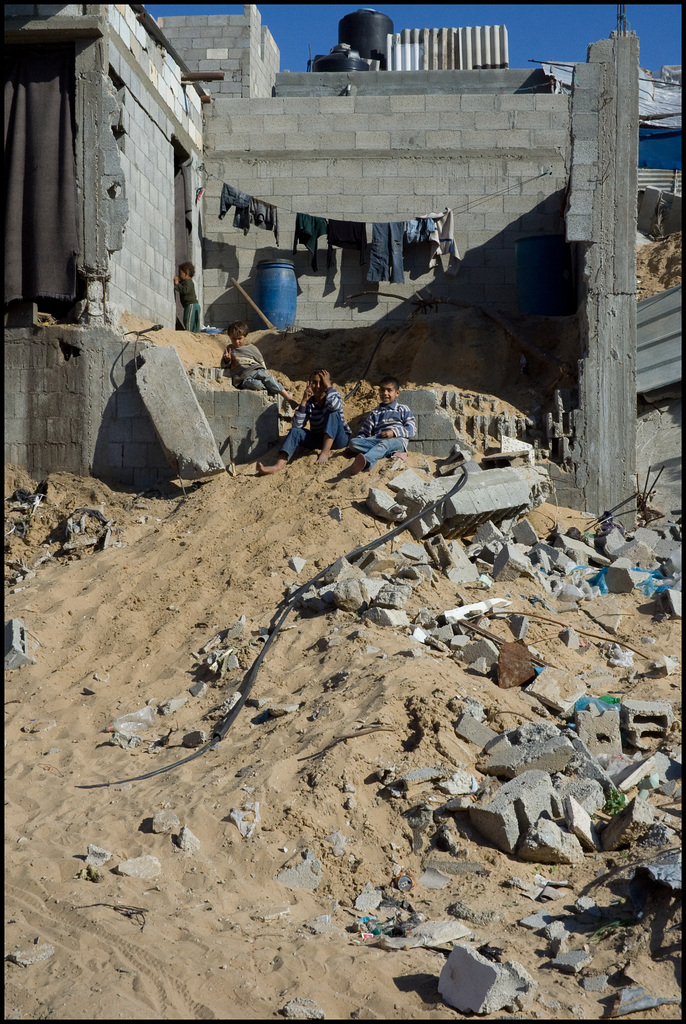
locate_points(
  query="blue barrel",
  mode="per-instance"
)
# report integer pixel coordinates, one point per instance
(544, 276)
(276, 293)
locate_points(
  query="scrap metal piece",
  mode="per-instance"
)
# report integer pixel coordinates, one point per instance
(632, 1000)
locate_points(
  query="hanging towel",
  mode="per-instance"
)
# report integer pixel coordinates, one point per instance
(234, 197)
(264, 215)
(308, 230)
(347, 235)
(386, 259)
(443, 241)
(419, 230)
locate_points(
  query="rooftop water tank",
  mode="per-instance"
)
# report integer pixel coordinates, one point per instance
(341, 58)
(366, 31)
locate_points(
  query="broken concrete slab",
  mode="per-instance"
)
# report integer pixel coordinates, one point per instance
(579, 823)
(605, 611)
(628, 825)
(621, 577)
(482, 647)
(393, 596)
(146, 867)
(510, 563)
(546, 843)
(524, 533)
(585, 765)
(516, 806)
(305, 874)
(347, 595)
(529, 747)
(580, 552)
(16, 645)
(519, 624)
(670, 600)
(557, 689)
(600, 732)
(468, 728)
(472, 984)
(572, 962)
(384, 506)
(640, 719)
(180, 423)
(587, 792)
(387, 617)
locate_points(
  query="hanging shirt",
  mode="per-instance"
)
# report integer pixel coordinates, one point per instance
(386, 259)
(443, 241)
(347, 234)
(234, 197)
(419, 230)
(265, 215)
(308, 230)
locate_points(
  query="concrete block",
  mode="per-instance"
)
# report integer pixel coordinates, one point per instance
(628, 826)
(557, 689)
(472, 984)
(579, 823)
(347, 595)
(606, 612)
(16, 649)
(600, 732)
(468, 727)
(579, 552)
(305, 874)
(516, 806)
(534, 746)
(546, 843)
(670, 600)
(480, 648)
(180, 423)
(585, 766)
(630, 776)
(510, 564)
(570, 638)
(572, 962)
(519, 625)
(387, 617)
(392, 596)
(638, 554)
(488, 533)
(524, 533)
(588, 793)
(620, 578)
(384, 506)
(612, 543)
(642, 719)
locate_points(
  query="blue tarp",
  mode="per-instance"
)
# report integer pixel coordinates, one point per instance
(660, 149)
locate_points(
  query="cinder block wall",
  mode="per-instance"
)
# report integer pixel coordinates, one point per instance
(499, 159)
(237, 44)
(155, 107)
(72, 405)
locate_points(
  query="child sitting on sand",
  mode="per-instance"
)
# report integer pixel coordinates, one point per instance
(386, 429)
(248, 369)
(322, 405)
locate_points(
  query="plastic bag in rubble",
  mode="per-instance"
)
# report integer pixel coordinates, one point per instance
(246, 818)
(618, 656)
(600, 582)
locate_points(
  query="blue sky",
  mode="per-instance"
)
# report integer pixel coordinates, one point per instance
(535, 31)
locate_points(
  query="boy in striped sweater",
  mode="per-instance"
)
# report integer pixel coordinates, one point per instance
(385, 430)
(322, 405)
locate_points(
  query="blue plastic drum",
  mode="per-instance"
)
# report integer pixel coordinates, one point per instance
(276, 293)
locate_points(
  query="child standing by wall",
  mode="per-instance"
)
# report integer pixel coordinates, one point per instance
(183, 284)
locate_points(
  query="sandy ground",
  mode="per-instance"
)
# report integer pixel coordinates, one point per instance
(114, 629)
(658, 266)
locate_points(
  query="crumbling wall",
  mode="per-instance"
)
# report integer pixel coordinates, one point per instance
(72, 405)
(237, 44)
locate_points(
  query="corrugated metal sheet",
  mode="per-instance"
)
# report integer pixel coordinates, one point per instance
(448, 49)
(658, 328)
(666, 181)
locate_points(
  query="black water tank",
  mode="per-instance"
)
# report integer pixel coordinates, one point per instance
(341, 58)
(366, 31)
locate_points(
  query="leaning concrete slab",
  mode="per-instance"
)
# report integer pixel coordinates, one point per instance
(180, 423)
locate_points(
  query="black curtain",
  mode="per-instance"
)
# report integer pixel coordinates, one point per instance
(41, 226)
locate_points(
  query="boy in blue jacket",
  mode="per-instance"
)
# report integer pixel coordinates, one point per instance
(385, 430)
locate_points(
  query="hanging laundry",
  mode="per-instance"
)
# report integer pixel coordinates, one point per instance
(419, 230)
(443, 241)
(308, 230)
(386, 259)
(234, 197)
(264, 215)
(347, 235)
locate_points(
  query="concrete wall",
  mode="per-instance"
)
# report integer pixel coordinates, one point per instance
(499, 159)
(601, 219)
(153, 109)
(659, 440)
(237, 44)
